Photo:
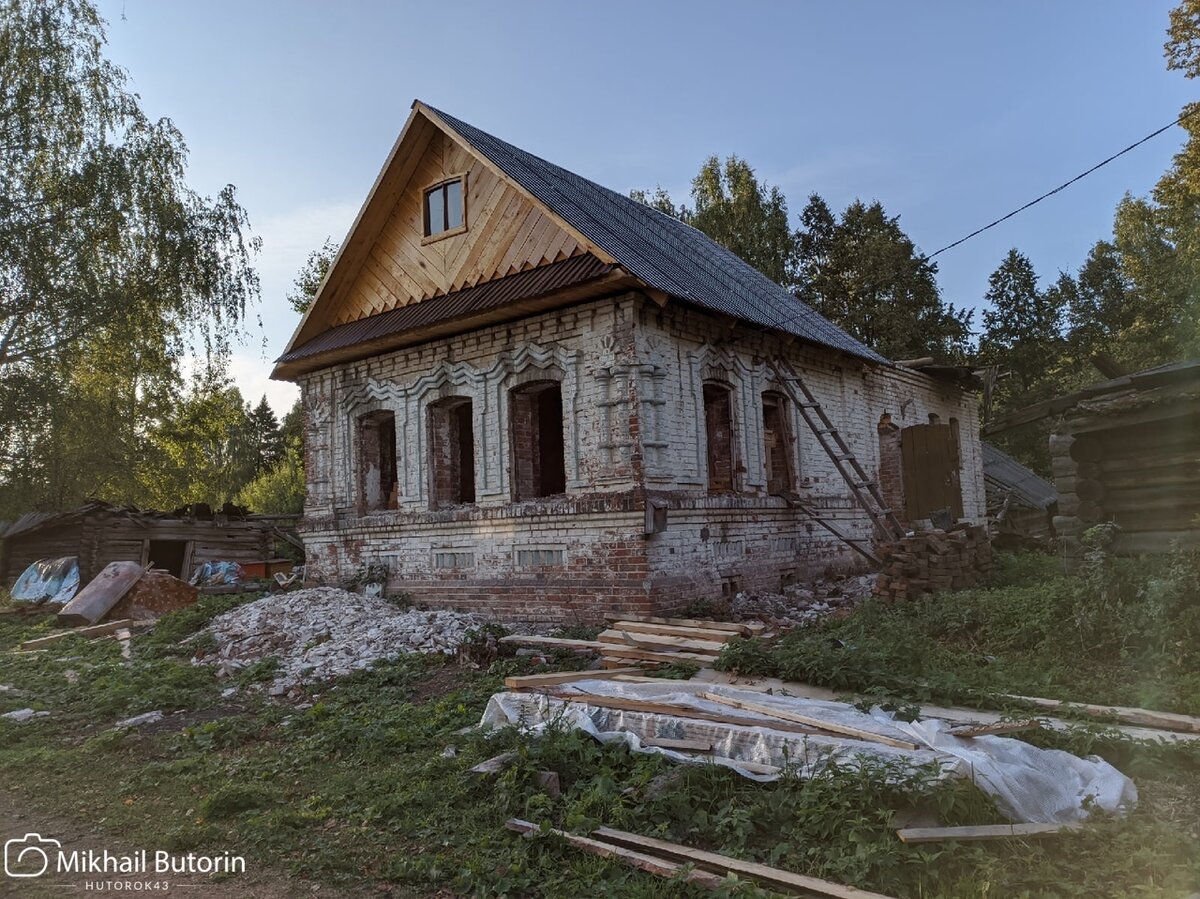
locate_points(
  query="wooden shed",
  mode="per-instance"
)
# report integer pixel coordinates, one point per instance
(1127, 451)
(99, 533)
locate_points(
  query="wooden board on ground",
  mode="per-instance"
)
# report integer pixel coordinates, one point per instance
(981, 832)
(660, 642)
(103, 592)
(1000, 727)
(1138, 717)
(736, 627)
(550, 678)
(650, 864)
(673, 630)
(96, 630)
(844, 730)
(678, 711)
(776, 878)
(609, 649)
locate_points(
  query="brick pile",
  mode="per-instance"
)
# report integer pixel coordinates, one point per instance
(933, 560)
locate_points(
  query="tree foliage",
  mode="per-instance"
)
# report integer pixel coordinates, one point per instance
(112, 268)
(864, 273)
(308, 280)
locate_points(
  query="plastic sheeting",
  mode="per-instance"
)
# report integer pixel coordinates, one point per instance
(1028, 784)
(48, 580)
(217, 574)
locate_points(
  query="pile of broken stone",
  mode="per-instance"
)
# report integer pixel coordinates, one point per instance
(324, 632)
(799, 605)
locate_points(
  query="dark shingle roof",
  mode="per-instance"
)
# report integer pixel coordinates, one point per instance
(1007, 473)
(660, 250)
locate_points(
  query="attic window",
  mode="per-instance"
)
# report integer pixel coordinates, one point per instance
(445, 208)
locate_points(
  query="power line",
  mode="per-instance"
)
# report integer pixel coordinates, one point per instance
(1066, 184)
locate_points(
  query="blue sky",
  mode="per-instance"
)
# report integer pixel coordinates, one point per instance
(949, 113)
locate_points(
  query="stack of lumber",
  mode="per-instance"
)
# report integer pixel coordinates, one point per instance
(697, 866)
(933, 560)
(655, 641)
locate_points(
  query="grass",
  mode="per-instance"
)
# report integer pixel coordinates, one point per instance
(357, 790)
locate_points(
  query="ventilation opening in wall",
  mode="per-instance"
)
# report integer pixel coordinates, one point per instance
(718, 428)
(536, 417)
(451, 452)
(377, 461)
(777, 441)
(539, 558)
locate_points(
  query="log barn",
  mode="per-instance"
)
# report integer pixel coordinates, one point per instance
(98, 533)
(532, 396)
(1127, 451)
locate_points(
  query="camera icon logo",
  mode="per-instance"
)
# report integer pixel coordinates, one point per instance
(27, 856)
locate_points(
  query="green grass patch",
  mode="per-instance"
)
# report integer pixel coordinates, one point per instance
(359, 791)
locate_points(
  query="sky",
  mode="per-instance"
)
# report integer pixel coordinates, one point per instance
(951, 114)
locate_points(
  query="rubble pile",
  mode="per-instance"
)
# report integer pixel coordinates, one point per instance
(325, 632)
(799, 604)
(933, 560)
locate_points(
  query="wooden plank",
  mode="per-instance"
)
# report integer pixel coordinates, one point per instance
(679, 711)
(774, 877)
(660, 867)
(981, 832)
(844, 730)
(1124, 714)
(96, 630)
(745, 629)
(660, 642)
(674, 630)
(682, 745)
(999, 727)
(609, 649)
(526, 681)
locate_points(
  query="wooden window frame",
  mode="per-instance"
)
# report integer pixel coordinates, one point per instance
(428, 238)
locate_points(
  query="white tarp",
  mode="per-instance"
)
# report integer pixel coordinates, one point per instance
(1028, 784)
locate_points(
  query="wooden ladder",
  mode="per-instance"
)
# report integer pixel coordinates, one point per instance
(864, 489)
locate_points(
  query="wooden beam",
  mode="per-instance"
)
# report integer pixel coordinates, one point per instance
(674, 630)
(660, 867)
(736, 627)
(980, 832)
(777, 878)
(1000, 727)
(609, 649)
(844, 730)
(659, 642)
(1139, 717)
(524, 682)
(678, 711)
(95, 630)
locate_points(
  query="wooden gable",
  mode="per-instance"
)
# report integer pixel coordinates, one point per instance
(387, 262)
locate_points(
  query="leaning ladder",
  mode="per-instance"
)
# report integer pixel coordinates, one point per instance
(864, 489)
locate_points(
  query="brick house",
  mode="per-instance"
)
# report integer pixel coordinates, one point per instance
(527, 394)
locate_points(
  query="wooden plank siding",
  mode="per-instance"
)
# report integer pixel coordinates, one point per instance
(98, 540)
(505, 233)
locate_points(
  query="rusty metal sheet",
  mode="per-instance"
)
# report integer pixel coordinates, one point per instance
(488, 295)
(105, 590)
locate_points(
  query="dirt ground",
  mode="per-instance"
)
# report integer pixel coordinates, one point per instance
(18, 816)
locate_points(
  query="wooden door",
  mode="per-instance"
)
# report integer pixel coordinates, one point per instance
(929, 459)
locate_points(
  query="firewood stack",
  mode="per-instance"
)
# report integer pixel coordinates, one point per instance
(933, 560)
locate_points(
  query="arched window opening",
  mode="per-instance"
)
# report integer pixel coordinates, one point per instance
(718, 427)
(538, 463)
(451, 452)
